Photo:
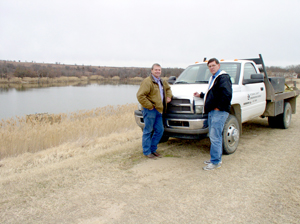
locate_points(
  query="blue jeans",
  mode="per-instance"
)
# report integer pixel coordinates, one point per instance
(153, 130)
(216, 121)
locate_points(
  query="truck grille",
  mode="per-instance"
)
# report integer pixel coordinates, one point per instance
(180, 106)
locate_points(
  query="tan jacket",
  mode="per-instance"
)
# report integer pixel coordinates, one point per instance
(149, 95)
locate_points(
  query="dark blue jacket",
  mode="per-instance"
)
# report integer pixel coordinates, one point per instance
(219, 95)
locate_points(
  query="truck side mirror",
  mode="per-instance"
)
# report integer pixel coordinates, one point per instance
(171, 80)
(254, 78)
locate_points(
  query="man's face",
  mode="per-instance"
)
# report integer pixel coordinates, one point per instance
(213, 67)
(156, 71)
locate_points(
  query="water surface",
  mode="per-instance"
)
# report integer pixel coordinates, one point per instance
(64, 99)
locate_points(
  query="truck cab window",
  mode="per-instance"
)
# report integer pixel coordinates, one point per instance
(233, 70)
(249, 70)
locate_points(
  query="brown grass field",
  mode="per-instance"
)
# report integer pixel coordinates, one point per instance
(98, 174)
(39, 132)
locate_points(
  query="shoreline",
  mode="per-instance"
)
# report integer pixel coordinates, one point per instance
(27, 83)
(66, 79)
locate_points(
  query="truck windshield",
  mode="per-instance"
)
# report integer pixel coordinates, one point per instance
(200, 73)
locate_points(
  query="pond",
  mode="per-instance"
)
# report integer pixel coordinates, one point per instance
(64, 99)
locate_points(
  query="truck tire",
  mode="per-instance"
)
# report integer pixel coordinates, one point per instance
(285, 118)
(282, 120)
(231, 135)
(273, 122)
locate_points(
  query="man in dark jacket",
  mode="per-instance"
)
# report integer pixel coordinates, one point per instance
(217, 103)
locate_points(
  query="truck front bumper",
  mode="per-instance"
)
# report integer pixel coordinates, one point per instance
(189, 126)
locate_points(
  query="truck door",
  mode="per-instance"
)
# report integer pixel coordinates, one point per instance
(254, 95)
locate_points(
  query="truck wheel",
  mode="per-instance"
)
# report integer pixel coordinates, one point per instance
(231, 135)
(285, 118)
(164, 138)
(282, 120)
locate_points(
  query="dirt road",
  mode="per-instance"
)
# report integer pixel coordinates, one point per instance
(108, 180)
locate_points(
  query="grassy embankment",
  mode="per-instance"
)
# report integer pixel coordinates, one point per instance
(31, 134)
(62, 79)
(27, 82)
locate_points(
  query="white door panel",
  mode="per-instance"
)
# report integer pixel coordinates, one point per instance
(254, 100)
(254, 95)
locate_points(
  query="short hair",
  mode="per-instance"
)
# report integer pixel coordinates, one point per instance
(155, 64)
(213, 60)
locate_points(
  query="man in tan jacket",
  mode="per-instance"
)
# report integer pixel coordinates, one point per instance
(153, 95)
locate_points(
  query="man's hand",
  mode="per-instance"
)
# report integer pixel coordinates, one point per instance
(197, 94)
(168, 99)
(201, 95)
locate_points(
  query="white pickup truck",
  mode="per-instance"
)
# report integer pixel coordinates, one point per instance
(254, 95)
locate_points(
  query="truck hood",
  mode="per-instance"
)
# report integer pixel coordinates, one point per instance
(186, 91)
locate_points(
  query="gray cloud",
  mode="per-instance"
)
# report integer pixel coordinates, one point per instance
(139, 33)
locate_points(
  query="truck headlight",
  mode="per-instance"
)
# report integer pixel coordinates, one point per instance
(198, 109)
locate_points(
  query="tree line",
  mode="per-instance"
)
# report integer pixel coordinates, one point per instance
(287, 69)
(10, 69)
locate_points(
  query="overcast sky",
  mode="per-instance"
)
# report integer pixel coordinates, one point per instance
(139, 33)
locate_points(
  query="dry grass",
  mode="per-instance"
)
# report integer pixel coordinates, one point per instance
(108, 180)
(34, 133)
(137, 79)
(65, 79)
(84, 78)
(30, 80)
(96, 77)
(44, 79)
(15, 80)
(3, 80)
